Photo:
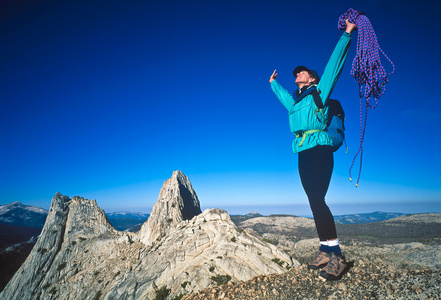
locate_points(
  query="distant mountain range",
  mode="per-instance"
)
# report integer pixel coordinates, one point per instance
(127, 215)
(27, 216)
(240, 218)
(17, 214)
(377, 216)
(363, 218)
(130, 221)
(126, 220)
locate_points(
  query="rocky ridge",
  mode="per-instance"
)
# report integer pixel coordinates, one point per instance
(409, 270)
(366, 217)
(417, 218)
(79, 255)
(283, 223)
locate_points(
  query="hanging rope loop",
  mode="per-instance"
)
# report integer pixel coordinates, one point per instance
(367, 70)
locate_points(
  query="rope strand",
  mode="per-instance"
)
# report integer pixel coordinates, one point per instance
(366, 70)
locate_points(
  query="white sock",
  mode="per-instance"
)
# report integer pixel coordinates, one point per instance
(333, 243)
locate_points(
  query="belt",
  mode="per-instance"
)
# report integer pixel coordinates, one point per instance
(304, 134)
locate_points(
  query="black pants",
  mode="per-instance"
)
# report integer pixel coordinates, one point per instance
(315, 169)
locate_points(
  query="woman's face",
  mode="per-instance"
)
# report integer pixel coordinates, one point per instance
(303, 78)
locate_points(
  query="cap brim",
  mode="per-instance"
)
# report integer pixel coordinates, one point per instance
(312, 73)
(300, 69)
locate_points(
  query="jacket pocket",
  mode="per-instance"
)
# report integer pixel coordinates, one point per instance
(301, 116)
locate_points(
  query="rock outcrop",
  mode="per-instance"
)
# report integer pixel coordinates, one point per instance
(177, 202)
(79, 255)
(283, 223)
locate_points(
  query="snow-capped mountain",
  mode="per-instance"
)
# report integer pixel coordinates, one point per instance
(22, 215)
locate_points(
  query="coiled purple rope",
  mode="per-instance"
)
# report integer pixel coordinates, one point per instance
(366, 70)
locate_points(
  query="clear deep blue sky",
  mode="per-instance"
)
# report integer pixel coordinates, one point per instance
(105, 99)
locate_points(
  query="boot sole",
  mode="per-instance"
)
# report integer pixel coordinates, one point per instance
(314, 267)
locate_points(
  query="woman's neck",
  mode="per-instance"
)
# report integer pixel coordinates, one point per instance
(302, 85)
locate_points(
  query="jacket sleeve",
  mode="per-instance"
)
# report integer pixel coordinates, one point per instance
(334, 67)
(282, 94)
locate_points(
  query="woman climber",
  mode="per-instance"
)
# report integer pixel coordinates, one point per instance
(315, 151)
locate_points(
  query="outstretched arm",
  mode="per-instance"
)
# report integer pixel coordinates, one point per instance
(281, 93)
(335, 63)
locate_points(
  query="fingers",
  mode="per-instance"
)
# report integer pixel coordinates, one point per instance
(349, 23)
(273, 76)
(350, 26)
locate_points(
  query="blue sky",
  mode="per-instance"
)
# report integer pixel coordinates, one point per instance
(105, 99)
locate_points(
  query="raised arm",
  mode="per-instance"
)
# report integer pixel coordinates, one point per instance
(336, 62)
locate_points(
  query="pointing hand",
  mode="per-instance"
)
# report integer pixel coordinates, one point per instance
(273, 76)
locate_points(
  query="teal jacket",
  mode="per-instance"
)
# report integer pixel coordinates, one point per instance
(302, 115)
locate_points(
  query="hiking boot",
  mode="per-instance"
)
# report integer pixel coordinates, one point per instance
(335, 268)
(321, 259)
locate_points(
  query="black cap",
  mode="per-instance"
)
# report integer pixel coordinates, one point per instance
(312, 73)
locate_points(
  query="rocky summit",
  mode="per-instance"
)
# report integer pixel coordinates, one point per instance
(368, 279)
(177, 202)
(179, 249)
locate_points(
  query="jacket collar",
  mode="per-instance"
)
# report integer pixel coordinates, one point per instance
(299, 94)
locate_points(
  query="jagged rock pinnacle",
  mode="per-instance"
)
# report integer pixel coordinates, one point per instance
(67, 220)
(177, 202)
